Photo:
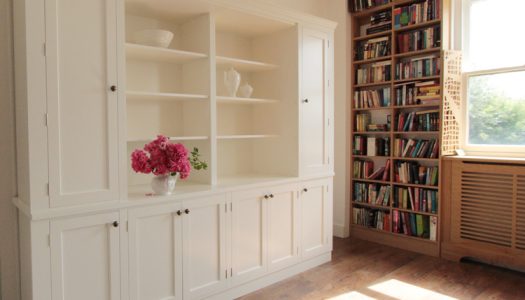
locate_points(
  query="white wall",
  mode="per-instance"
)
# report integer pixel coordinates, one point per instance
(337, 11)
(9, 280)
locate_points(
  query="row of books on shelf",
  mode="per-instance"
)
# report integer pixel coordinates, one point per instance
(379, 22)
(372, 98)
(414, 173)
(372, 193)
(413, 224)
(371, 218)
(422, 11)
(418, 67)
(427, 120)
(419, 40)
(359, 5)
(362, 123)
(416, 148)
(373, 73)
(416, 199)
(418, 93)
(365, 170)
(371, 146)
(373, 48)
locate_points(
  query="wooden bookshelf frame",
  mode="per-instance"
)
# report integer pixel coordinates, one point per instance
(391, 238)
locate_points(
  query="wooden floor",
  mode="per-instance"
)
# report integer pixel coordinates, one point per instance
(365, 270)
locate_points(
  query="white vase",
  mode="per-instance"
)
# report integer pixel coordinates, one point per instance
(232, 79)
(246, 90)
(164, 184)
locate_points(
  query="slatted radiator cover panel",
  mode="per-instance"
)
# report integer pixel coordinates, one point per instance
(489, 205)
(520, 210)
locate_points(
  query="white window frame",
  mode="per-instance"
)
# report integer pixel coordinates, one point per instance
(461, 18)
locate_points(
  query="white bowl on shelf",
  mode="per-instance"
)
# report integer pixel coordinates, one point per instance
(153, 37)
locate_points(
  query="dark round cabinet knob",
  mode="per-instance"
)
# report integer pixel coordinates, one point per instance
(113, 88)
(271, 195)
(266, 196)
(305, 190)
(305, 100)
(179, 212)
(115, 224)
(186, 211)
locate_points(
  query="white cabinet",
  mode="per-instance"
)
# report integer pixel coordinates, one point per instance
(204, 246)
(82, 114)
(265, 227)
(316, 103)
(283, 225)
(85, 257)
(155, 252)
(316, 215)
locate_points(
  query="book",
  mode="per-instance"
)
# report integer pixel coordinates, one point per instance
(371, 146)
(433, 228)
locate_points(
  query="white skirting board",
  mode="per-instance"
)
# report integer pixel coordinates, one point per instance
(272, 278)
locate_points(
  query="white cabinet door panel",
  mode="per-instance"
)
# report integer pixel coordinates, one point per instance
(81, 59)
(316, 212)
(85, 258)
(249, 236)
(204, 246)
(283, 227)
(155, 253)
(315, 104)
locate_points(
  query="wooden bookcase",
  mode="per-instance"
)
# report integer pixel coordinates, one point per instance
(380, 115)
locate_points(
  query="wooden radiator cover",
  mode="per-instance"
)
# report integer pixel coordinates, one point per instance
(486, 207)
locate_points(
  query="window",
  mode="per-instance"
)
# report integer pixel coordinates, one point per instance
(494, 75)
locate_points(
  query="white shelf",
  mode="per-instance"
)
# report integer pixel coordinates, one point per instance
(134, 95)
(245, 136)
(245, 65)
(240, 100)
(171, 138)
(156, 54)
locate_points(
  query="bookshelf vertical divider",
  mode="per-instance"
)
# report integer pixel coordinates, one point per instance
(426, 51)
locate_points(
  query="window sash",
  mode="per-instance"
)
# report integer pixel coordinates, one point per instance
(485, 150)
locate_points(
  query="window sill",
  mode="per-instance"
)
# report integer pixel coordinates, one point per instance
(485, 159)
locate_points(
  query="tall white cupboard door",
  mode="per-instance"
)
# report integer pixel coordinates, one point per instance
(249, 235)
(316, 213)
(283, 227)
(155, 253)
(315, 107)
(81, 60)
(85, 258)
(204, 246)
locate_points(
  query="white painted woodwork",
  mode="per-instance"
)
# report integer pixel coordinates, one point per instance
(155, 252)
(314, 104)
(204, 246)
(83, 122)
(249, 242)
(232, 240)
(85, 255)
(283, 227)
(149, 53)
(316, 221)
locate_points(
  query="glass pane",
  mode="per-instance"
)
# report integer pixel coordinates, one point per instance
(494, 35)
(496, 109)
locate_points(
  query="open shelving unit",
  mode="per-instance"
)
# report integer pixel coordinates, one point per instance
(179, 91)
(388, 114)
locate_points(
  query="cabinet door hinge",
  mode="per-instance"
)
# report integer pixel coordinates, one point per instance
(231, 206)
(44, 49)
(225, 207)
(231, 272)
(127, 226)
(46, 119)
(47, 188)
(297, 251)
(49, 241)
(226, 272)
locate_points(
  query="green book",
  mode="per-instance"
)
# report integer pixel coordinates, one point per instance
(419, 225)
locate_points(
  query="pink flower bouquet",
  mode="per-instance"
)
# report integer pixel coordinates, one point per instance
(161, 157)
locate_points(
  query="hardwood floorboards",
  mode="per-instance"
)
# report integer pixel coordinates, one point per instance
(365, 270)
